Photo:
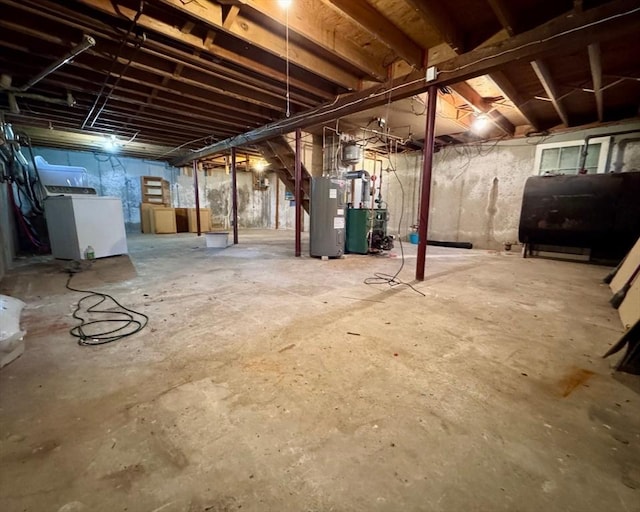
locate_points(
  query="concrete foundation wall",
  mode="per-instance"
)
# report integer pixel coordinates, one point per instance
(477, 190)
(120, 177)
(112, 175)
(6, 231)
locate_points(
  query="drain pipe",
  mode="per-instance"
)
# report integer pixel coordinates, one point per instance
(585, 151)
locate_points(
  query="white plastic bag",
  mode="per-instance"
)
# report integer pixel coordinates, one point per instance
(11, 337)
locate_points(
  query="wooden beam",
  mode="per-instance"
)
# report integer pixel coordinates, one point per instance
(187, 27)
(151, 46)
(449, 109)
(526, 109)
(374, 22)
(505, 16)
(614, 19)
(595, 61)
(210, 14)
(229, 15)
(470, 95)
(433, 13)
(172, 32)
(544, 75)
(327, 38)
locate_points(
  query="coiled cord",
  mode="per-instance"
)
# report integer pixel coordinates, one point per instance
(131, 321)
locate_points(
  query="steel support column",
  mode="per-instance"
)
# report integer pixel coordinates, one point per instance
(234, 196)
(298, 191)
(196, 190)
(425, 194)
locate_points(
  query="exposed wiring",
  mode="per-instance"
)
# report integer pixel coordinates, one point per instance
(116, 56)
(127, 321)
(540, 41)
(321, 110)
(392, 280)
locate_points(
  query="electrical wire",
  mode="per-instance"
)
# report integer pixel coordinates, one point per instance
(392, 280)
(131, 321)
(283, 125)
(116, 56)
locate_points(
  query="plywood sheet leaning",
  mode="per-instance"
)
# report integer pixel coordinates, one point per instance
(628, 267)
(629, 310)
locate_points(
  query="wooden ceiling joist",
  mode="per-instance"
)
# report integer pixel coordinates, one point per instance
(504, 15)
(566, 34)
(328, 39)
(525, 107)
(546, 79)
(210, 15)
(196, 42)
(595, 62)
(364, 14)
(435, 15)
(470, 95)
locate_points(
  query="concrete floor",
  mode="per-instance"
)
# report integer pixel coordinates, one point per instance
(269, 383)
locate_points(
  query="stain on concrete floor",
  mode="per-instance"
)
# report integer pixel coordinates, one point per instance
(247, 392)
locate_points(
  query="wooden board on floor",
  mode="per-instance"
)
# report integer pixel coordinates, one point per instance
(631, 262)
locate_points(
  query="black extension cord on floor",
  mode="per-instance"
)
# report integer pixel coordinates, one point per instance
(131, 322)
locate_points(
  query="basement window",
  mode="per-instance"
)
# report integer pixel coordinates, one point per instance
(564, 157)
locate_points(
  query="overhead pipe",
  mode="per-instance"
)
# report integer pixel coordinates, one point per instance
(87, 42)
(585, 151)
(366, 182)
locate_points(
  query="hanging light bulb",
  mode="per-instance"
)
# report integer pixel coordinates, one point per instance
(110, 144)
(285, 4)
(480, 123)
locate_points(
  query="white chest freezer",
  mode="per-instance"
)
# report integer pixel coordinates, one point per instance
(77, 222)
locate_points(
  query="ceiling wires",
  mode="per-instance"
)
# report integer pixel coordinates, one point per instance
(115, 59)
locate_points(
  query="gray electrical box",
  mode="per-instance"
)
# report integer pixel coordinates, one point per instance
(327, 217)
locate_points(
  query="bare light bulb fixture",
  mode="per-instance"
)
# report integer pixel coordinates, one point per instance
(480, 123)
(285, 4)
(260, 165)
(111, 144)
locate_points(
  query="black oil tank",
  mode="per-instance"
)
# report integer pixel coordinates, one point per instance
(596, 211)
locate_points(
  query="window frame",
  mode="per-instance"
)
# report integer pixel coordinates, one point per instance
(604, 142)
